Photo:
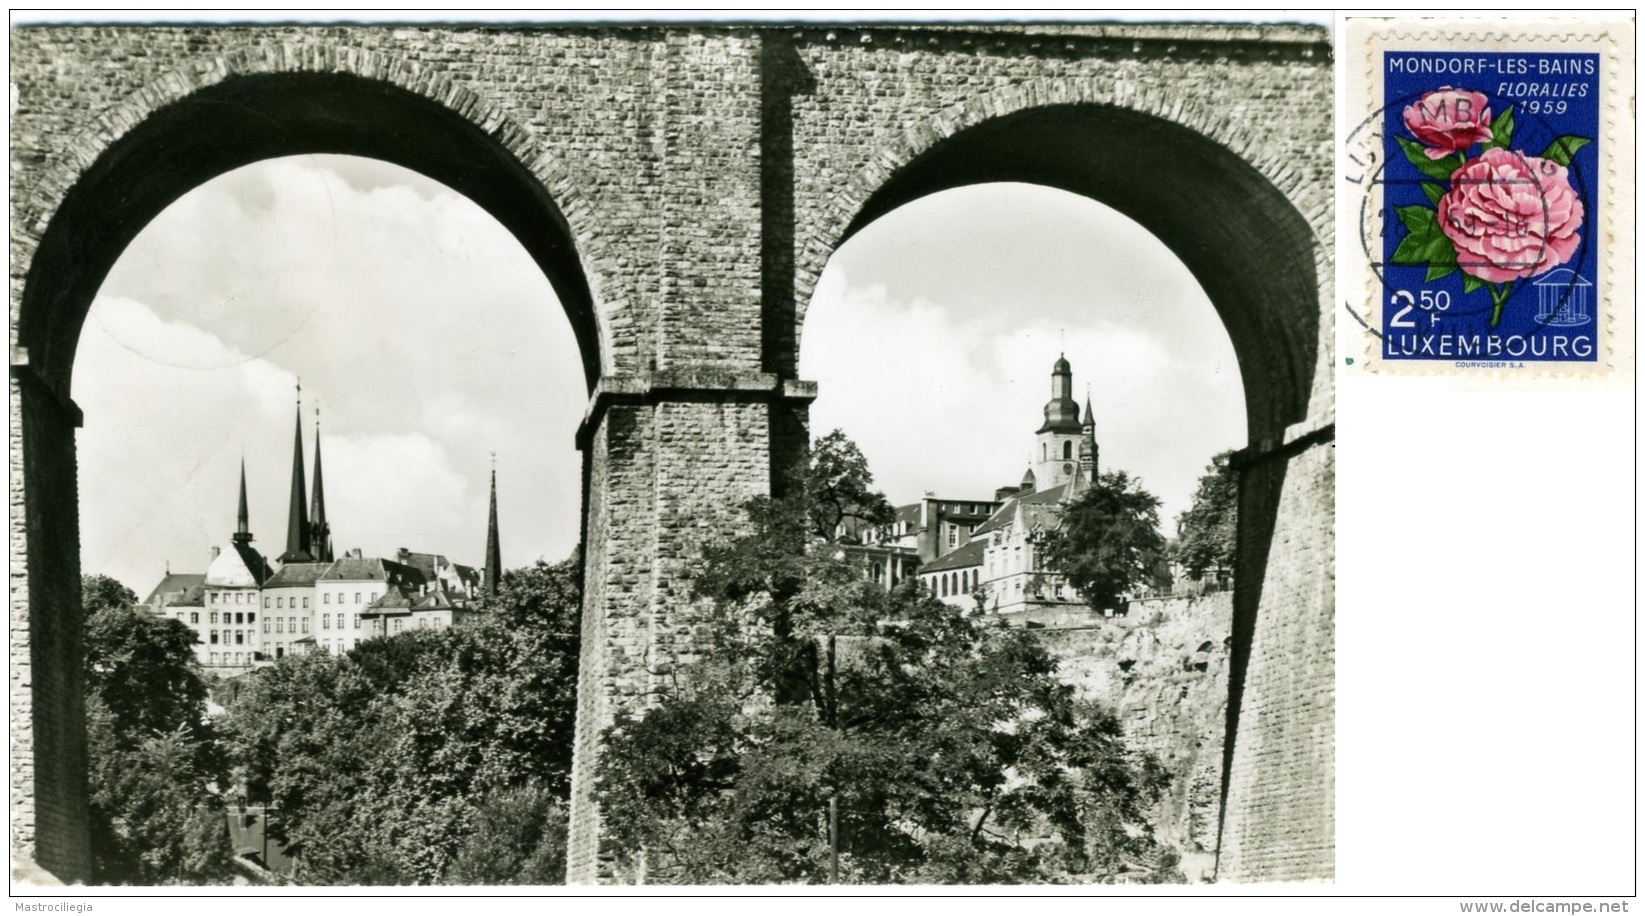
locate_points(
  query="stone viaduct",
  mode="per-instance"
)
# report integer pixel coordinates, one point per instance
(683, 188)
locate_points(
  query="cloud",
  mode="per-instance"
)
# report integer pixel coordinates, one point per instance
(941, 373)
(406, 310)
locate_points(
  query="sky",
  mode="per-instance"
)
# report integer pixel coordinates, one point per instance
(429, 340)
(419, 327)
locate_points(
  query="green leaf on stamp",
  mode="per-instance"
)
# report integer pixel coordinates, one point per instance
(1424, 243)
(1502, 129)
(1433, 191)
(1417, 155)
(1563, 149)
(1439, 269)
(1471, 283)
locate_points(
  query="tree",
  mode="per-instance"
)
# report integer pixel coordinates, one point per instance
(824, 714)
(1207, 533)
(405, 760)
(98, 592)
(152, 754)
(1108, 539)
(144, 669)
(837, 486)
(519, 837)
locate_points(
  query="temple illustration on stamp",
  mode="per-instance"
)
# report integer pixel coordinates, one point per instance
(1487, 185)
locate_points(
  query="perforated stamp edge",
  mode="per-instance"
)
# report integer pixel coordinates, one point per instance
(1359, 159)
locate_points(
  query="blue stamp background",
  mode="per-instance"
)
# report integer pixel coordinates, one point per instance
(1462, 331)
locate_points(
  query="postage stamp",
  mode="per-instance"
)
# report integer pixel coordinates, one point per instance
(1491, 163)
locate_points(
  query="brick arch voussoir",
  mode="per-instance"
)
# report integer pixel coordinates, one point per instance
(51, 187)
(913, 140)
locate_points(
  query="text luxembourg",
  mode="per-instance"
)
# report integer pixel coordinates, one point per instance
(1536, 346)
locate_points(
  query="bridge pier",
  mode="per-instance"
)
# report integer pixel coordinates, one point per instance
(673, 457)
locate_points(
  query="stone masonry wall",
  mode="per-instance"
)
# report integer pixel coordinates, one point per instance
(875, 99)
(649, 138)
(47, 709)
(1281, 790)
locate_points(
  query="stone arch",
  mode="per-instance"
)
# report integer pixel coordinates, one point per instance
(1048, 132)
(1250, 216)
(179, 130)
(256, 103)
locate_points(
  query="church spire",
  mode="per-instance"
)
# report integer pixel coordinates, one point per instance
(1088, 440)
(494, 558)
(297, 518)
(242, 528)
(319, 542)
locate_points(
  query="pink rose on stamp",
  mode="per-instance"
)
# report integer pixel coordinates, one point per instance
(1499, 217)
(1510, 216)
(1449, 121)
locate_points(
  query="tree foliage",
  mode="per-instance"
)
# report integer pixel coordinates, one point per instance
(144, 669)
(425, 756)
(152, 755)
(944, 744)
(1207, 533)
(1108, 540)
(837, 486)
(99, 592)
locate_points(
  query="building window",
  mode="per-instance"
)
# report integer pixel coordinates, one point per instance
(305, 601)
(1067, 450)
(279, 652)
(265, 602)
(265, 625)
(251, 617)
(239, 617)
(239, 638)
(356, 623)
(213, 616)
(422, 623)
(398, 624)
(438, 623)
(280, 603)
(325, 623)
(328, 597)
(356, 597)
(953, 535)
(279, 624)
(193, 616)
(214, 637)
(305, 624)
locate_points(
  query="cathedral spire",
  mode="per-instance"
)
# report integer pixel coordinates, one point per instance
(319, 542)
(494, 558)
(242, 528)
(297, 517)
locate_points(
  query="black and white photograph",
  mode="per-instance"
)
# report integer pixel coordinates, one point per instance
(693, 453)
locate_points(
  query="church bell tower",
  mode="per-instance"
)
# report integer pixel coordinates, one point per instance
(1057, 447)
